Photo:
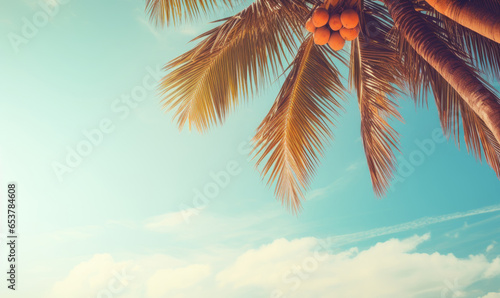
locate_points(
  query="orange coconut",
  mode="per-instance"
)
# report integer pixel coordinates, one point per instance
(320, 17)
(349, 34)
(336, 42)
(335, 22)
(321, 35)
(349, 18)
(310, 26)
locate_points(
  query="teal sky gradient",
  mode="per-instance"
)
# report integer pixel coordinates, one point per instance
(123, 204)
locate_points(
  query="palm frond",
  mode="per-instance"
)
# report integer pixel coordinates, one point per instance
(293, 134)
(478, 137)
(416, 69)
(231, 61)
(480, 16)
(176, 11)
(453, 109)
(378, 13)
(493, 5)
(483, 52)
(375, 74)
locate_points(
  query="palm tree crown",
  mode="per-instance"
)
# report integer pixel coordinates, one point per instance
(448, 47)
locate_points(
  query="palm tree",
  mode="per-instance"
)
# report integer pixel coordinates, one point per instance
(405, 47)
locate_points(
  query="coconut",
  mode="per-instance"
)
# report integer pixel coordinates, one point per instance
(321, 35)
(349, 34)
(320, 17)
(335, 22)
(349, 18)
(336, 42)
(310, 26)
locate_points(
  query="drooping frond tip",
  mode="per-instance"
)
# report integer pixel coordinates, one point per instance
(375, 73)
(292, 136)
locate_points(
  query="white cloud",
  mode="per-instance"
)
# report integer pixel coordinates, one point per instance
(490, 247)
(494, 269)
(298, 268)
(164, 281)
(89, 278)
(492, 295)
(102, 276)
(385, 269)
(295, 268)
(271, 259)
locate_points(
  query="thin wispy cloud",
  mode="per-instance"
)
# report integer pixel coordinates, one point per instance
(318, 192)
(71, 234)
(189, 30)
(340, 183)
(337, 184)
(186, 30)
(355, 165)
(168, 220)
(146, 23)
(204, 226)
(411, 225)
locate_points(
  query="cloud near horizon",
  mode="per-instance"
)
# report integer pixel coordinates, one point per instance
(291, 268)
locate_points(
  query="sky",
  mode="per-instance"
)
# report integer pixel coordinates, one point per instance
(147, 210)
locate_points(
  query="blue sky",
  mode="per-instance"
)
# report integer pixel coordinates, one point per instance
(124, 220)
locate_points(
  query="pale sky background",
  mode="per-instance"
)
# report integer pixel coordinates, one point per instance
(118, 224)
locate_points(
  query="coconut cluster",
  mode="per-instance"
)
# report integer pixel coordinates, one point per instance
(333, 26)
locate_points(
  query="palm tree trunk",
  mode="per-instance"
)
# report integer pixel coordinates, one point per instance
(453, 69)
(471, 15)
